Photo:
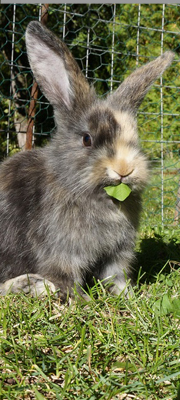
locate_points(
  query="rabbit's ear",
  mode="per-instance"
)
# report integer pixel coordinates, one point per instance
(54, 67)
(131, 92)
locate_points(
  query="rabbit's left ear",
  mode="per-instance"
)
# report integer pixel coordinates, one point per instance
(131, 92)
(54, 67)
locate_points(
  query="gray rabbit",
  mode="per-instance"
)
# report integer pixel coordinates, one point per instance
(58, 226)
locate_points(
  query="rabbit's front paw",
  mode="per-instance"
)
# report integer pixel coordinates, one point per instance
(34, 284)
(119, 287)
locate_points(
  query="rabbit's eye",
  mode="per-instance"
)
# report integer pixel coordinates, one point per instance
(87, 141)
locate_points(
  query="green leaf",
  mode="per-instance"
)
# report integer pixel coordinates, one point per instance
(167, 305)
(119, 192)
(176, 306)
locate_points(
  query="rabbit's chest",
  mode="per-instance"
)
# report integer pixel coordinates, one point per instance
(77, 237)
(90, 229)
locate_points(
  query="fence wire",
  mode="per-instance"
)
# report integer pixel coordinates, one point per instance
(109, 41)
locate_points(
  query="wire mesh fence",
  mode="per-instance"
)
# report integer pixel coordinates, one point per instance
(109, 41)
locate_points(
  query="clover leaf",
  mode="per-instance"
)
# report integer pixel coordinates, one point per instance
(119, 192)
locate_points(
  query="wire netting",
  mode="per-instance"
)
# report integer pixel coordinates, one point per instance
(109, 41)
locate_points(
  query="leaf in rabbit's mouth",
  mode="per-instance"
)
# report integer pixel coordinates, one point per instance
(119, 192)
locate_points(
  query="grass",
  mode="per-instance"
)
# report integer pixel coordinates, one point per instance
(111, 348)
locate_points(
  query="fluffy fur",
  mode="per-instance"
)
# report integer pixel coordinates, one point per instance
(56, 221)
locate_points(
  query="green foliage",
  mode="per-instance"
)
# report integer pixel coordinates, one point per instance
(160, 195)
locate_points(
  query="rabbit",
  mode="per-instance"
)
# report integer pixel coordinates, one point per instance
(58, 226)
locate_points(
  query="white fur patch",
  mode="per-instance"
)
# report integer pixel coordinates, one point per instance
(34, 284)
(128, 126)
(112, 174)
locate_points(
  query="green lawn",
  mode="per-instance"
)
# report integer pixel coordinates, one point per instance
(111, 348)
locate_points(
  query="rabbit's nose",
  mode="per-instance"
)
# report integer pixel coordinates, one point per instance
(122, 176)
(118, 174)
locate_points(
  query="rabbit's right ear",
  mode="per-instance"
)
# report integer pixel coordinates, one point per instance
(54, 67)
(131, 92)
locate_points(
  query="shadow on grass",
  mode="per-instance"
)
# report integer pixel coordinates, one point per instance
(156, 254)
(178, 393)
